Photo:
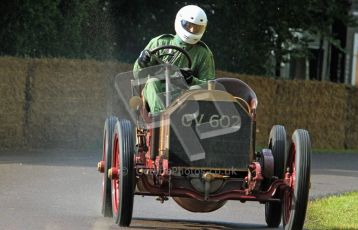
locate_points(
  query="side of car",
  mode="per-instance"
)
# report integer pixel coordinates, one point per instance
(201, 152)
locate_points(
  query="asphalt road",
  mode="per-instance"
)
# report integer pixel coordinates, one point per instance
(60, 189)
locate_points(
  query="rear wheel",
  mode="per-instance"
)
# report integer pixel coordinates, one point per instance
(277, 144)
(295, 198)
(273, 212)
(122, 173)
(106, 159)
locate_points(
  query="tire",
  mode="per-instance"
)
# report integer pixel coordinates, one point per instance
(273, 213)
(107, 158)
(123, 185)
(296, 197)
(277, 144)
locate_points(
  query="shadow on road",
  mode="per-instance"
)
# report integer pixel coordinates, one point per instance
(144, 223)
(49, 157)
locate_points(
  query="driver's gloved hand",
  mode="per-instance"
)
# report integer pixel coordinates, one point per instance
(187, 74)
(144, 58)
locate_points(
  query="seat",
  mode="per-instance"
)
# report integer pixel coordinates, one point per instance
(237, 88)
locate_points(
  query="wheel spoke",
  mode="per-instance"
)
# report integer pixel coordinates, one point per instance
(115, 186)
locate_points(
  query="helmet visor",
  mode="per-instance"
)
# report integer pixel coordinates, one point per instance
(192, 28)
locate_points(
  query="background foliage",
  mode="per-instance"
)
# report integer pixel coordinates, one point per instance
(62, 103)
(246, 36)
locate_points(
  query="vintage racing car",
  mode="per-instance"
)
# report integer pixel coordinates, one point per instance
(200, 150)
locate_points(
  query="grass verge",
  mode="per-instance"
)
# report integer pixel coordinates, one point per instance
(335, 151)
(335, 212)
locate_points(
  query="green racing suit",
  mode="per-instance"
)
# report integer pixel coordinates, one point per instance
(202, 65)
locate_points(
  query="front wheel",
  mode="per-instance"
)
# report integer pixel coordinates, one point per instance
(122, 173)
(295, 198)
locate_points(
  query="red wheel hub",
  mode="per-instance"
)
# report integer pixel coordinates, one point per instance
(113, 173)
(100, 166)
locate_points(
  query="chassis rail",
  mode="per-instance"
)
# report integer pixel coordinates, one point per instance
(242, 195)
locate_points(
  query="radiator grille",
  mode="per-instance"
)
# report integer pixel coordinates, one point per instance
(209, 134)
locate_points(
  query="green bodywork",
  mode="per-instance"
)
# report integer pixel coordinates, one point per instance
(202, 65)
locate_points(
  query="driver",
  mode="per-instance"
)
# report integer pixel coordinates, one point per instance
(190, 25)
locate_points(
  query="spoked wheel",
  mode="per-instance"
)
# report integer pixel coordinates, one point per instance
(277, 144)
(295, 198)
(122, 173)
(105, 164)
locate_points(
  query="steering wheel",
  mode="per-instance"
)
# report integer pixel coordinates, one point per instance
(155, 53)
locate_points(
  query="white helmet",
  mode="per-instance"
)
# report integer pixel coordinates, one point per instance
(190, 23)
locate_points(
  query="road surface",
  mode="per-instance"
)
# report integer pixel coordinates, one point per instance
(60, 189)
